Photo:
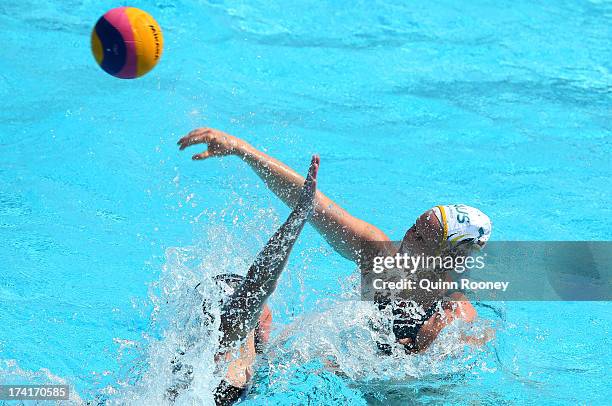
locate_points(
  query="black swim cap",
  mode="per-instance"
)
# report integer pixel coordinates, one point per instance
(227, 282)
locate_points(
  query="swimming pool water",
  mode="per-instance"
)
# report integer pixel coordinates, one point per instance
(500, 105)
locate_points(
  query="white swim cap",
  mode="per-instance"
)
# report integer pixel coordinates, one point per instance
(463, 225)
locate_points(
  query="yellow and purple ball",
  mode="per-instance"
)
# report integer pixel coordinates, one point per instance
(127, 42)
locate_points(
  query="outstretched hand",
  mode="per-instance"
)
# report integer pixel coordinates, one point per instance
(309, 189)
(219, 143)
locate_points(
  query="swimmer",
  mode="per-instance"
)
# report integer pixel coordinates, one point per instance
(359, 241)
(245, 318)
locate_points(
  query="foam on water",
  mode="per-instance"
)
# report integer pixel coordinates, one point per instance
(337, 340)
(179, 332)
(334, 348)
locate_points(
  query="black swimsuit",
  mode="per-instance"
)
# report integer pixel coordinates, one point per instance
(227, 394)
(405, 326)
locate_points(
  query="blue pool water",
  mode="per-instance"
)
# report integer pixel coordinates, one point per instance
(105, 226)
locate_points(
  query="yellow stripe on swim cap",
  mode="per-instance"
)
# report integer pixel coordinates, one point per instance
(441, 246)
(444, 223)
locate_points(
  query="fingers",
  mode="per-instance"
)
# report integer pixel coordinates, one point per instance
(198, 136)
(203, 155)
(314, 167)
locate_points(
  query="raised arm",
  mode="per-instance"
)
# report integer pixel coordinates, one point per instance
(242, 311)
(349, 236)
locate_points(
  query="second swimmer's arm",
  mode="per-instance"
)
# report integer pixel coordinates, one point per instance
(348, 235)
